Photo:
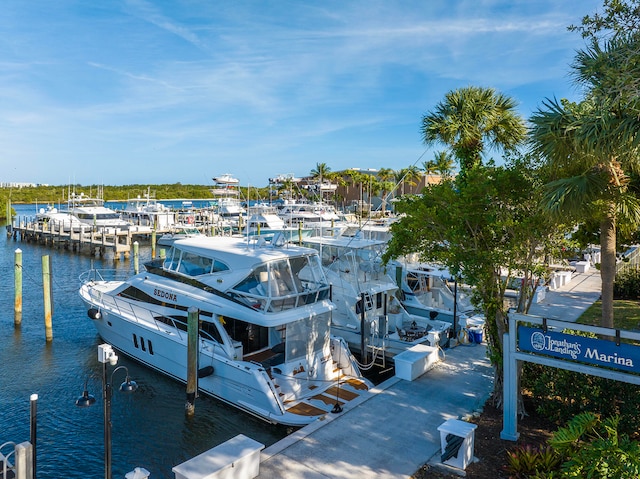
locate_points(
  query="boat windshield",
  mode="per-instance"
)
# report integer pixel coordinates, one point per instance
(192, 264)
(284, 284)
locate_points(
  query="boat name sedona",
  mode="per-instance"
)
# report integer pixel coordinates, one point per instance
(165, 294)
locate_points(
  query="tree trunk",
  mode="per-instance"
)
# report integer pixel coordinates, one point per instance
(608, 266)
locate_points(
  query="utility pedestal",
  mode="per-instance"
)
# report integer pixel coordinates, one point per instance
(456, 442)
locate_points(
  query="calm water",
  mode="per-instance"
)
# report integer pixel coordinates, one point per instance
(150, 428)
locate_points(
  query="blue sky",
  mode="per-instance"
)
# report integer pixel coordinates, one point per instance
(134, 91)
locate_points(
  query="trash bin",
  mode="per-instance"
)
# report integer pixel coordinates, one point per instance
(475, 334)
(456, 442)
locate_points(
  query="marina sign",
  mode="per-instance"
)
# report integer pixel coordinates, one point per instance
(599, 352)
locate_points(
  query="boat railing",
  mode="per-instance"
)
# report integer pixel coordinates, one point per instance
(147, 314)
(104, 275)
(282, 303)
(138, 313)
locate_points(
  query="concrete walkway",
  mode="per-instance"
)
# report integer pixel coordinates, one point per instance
(570, 300)
(393, 431)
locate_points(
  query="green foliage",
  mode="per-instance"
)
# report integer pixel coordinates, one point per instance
(59, 194)
(563, 394)
(488, 224)
(627, 285)
(532, 462)
(587, 447)
(594, 449)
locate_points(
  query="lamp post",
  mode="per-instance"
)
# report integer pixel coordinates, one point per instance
(106, 354)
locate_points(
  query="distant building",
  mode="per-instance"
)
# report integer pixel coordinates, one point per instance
(16, 184)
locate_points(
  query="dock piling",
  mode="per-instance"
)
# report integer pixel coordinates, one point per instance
(136, 257)
(192, 360)
(46, 289)
(17, 303)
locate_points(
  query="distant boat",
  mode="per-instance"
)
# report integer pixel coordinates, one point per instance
(226, 203)
(264, 222)
(147, 211)
(226, 179)
(265, 344)
(179, 231)
(54, 219)
(93, 212)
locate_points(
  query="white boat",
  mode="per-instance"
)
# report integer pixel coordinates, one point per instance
(264, 222)
(55, 220)
(225, 186)
(93, 212)
(368, 314)
(226, 203)
(426, 292)
(179, 231)
(265, 325)
(147, 211)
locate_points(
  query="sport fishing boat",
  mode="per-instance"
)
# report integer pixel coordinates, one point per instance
(148, 211)
(264, 222)
(226, 203)
(264, 339)
(426, 291)
(368, 314)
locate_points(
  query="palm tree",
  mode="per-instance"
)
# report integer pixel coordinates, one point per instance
(412, 175)
(385, 176)
(471, 118)
(444, 163)
(591, 146)
(321, 171)
(429, 167)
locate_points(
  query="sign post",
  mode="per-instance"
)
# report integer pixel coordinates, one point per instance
(542, 341)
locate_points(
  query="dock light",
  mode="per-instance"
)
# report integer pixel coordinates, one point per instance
(86, 399)
(106, 354)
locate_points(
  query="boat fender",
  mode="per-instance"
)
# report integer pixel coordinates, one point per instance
(463, 336)
(206, 371)
(94, 313)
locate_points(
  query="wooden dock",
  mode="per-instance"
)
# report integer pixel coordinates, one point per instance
(90, 239)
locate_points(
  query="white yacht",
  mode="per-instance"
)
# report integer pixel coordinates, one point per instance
(264, 221)
(226, 203)
(368, 315)
(265, 325)
(56, 220)
(426, 291)
(148, 211)
(93, 212)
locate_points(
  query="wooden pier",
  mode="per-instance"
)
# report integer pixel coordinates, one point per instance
(90, 239)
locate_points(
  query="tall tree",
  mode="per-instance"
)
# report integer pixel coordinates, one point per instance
(429, 167)
(581, 144)
(471, 119)
(321, 171)
(386, 177)
(592, 147)
(486, 231)
(444, 163)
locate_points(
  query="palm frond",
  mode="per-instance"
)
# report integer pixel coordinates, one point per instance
(573, 195)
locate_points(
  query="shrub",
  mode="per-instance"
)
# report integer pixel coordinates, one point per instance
(529, 461)
(594, 449)
(560, 395)
(627, 285)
